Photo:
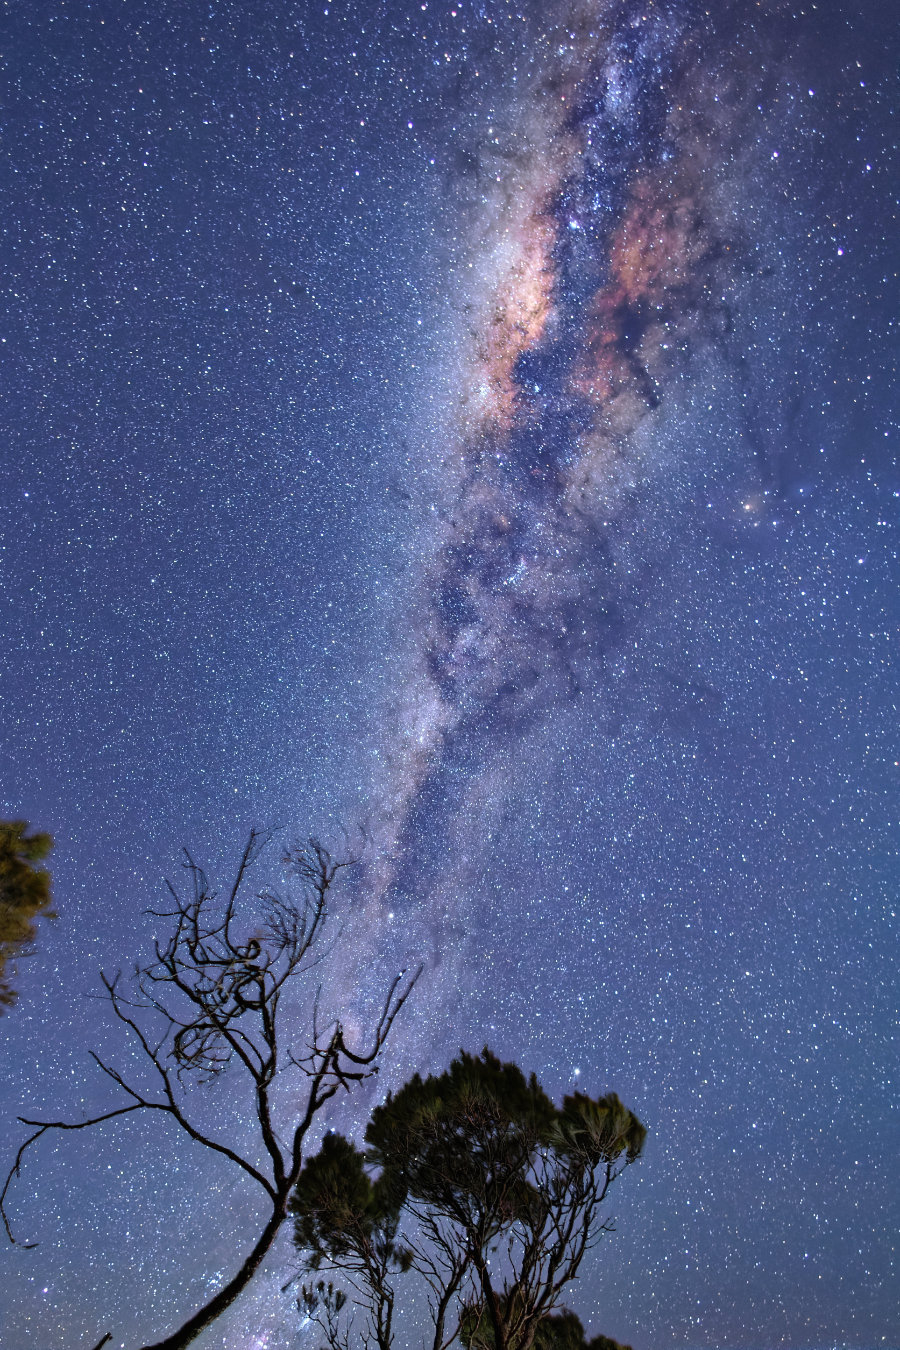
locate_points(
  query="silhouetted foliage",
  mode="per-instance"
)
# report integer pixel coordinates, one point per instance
(210, 1002)
(24, 896)
(557, 1331)
(342, 1217)
(478, 1183)
(563, 1331)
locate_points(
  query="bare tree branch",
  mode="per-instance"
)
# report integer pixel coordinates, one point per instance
(208, 1003)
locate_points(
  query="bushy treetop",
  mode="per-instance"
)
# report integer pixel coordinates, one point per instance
(24, 894)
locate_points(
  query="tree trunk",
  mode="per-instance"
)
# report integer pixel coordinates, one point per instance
(226, 1296)
(498, 1324)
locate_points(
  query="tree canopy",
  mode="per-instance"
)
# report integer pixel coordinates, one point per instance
(24, 896)
(474, 1180)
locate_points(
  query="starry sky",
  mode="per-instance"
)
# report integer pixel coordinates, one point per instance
(471, 423)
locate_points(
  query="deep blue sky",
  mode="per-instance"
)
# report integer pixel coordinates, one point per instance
(263, 563)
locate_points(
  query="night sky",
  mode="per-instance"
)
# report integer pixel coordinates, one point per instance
(471, 423)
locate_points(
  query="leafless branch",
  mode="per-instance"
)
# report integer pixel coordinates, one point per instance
(208, 1002)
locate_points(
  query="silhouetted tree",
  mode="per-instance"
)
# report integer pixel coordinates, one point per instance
(564, 1331)
(344, 1219)
(556, 1331)
(475, 1180)
(211, 1002)
(24, 896)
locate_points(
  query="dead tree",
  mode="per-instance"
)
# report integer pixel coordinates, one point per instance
(209, 1003)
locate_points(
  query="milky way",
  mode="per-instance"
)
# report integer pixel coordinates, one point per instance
(603, 265)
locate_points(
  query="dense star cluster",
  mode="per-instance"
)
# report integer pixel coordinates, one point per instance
(472, 423)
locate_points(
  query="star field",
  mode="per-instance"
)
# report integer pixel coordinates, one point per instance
(473, 422)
